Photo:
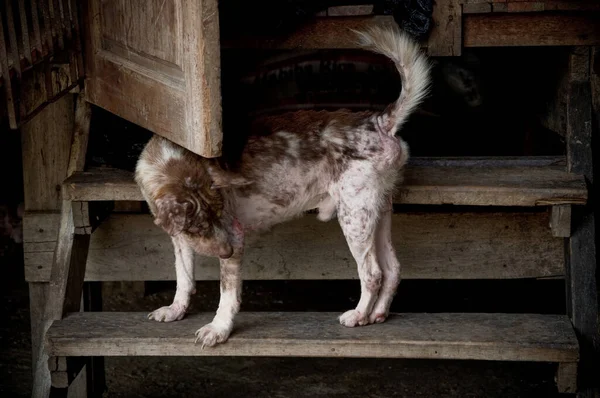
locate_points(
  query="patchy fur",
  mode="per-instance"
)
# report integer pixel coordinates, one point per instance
(341, 163)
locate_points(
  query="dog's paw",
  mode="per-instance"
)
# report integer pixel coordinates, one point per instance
(377, 317)
(211, 334)
(353, 318)
(173, 312)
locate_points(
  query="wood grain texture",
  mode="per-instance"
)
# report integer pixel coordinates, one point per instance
(319, 33)
(560, 221)
(430, 246)
(202, 70)
(531, 29)
(508, 337)
(38, 294)
(458, 185)
(583, 304)
(566, 377)
(157, 64)
(445, 38)
(478, 30)
(46, 144)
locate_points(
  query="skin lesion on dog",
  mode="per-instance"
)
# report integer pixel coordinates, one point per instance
(345, 164)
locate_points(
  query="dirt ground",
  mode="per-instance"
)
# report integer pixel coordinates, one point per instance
(290, 377)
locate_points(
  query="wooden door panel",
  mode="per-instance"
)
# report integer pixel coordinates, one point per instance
(157, 64)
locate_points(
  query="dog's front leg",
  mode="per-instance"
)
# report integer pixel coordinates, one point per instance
(229, 304)
(186, 284)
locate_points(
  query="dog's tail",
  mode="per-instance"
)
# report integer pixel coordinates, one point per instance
(412, 65)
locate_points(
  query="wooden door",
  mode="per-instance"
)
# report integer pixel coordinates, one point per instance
(156, 63)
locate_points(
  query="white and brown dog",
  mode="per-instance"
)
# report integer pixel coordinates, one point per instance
(339, 162)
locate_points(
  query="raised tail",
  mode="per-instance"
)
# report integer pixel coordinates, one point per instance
(412, 65)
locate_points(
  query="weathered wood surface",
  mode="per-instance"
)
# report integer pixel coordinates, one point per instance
(157, 64)
(46, 144)
(531, 29)
(508, 337)
(39, 72)
(445, 38)
(582, 267)
(333, 32)
(458, 185)
(560, 221)
(566, 377)
(495, 29)
(101, 184)
(429, 245)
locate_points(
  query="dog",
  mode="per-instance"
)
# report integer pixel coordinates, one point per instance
(343, 163)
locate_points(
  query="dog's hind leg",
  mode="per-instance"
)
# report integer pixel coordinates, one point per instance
(357, 215)
(390, 266)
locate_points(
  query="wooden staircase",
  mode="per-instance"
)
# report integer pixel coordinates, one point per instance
(528, 213)
(453, 245)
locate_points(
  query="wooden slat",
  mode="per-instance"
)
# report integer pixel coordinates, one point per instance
(35, 21)
(334, 32)
(25, 32)
(531, 29)
(46, 143)
(12, 36)
(429, 245)
(445, 38)
(479, 30)
(5, 74)
(458, 185)
(507, 337)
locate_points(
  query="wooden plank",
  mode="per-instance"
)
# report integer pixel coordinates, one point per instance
(499, 29)
(5, 73)
(445, 38)
(507, 337)
(347, 11)
(429, 245)
(582, 268)
(38, 294)
(536, 29)
(560, 221)
(566, 377)
(46, 143)
(202, 69)
(458, 185)
(81, 133)
(101, 184)
(477, 8)
(25, 32)
(334, 32)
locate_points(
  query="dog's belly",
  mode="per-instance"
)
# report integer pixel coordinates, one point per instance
(259, 212)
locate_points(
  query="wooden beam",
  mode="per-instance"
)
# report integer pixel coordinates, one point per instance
(582, 268)
(535, 29)
(429, 245)
(319, 33)
(566, 377)
(445, 38)
(505, 337)
(495, 29)
(560, 221)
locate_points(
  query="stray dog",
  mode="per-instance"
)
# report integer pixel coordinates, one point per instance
(342, 163)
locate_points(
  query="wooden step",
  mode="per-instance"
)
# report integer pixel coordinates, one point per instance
(499, 337)
(426, 183)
